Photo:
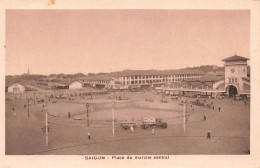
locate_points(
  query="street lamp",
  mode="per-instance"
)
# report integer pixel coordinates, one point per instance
(34, 98)
(87, 106)
(28, 107)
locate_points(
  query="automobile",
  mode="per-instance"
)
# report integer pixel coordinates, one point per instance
(62, 96)
(175, 97)
(40, 100)
(164, 101)
(128, 124)
(149, 100)
(148, 122)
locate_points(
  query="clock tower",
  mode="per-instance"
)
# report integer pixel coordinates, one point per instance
(235, 74)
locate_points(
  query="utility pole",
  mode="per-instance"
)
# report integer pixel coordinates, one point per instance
(34, 98)
(46, 125)
(113, 115)
(28, 107)
(184, 117)
(87, 105)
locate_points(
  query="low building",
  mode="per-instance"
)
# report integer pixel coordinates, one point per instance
(15, 88)
(100, 81)
(75, 85)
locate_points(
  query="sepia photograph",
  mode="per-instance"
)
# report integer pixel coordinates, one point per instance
(127, 82)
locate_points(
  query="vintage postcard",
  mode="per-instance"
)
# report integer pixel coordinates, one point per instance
(131, 85)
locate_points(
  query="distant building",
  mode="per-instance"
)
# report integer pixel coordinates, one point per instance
(15, 88)
(142, 78)
(101, 81)
(76, 85)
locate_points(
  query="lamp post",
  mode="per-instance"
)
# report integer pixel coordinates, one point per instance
(46, 125)
(87, 106)
(113, 114)
(28, 107)
(184, 117)
(34, 98)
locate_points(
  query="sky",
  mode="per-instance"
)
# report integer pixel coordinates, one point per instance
(93, 41)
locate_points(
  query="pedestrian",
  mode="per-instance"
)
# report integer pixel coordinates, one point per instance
(88, 136)
(14, 113)
(69, 114)
(24, 106)
(213, 107)
(219, 109)
(208, 135)
(153, 131)
(205, 117)
(132, 129)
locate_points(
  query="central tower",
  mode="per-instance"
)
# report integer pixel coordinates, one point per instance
(235, 71)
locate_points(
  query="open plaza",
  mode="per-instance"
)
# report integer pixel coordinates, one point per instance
(184, 116)
(185, 133)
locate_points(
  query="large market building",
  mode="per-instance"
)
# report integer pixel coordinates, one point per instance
(235, 81)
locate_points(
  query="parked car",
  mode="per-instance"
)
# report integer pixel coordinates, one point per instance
(148, 122)
(62, 96)
(175, 97)
(128, 124)
(40, 100)
(149, 100)
(164, 101)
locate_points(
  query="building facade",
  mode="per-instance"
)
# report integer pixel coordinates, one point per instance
(236, 79)
(76, 85)
(156, 78)
(15, 88)
(234, 82)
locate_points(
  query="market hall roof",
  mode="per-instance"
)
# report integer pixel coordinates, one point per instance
(156, 72)
(106, 77)
(211, 78)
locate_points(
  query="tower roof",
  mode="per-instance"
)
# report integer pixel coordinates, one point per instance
(235, 58)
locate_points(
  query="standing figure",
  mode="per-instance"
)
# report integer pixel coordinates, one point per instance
(132, 129)
(88, 136)
(14, 113)
(153, 131)
(205, 117)
(208, 135)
